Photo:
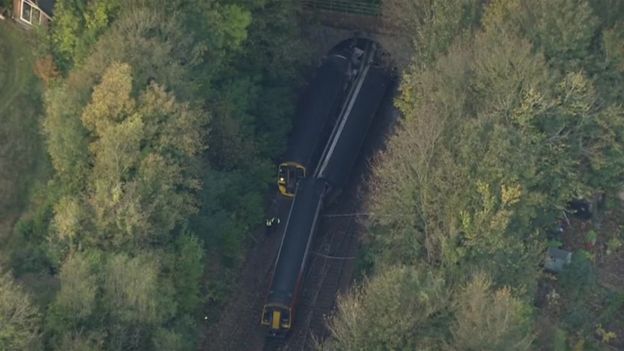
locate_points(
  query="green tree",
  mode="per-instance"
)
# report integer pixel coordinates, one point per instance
(131, 289)
(127, 130)
(79, 278)
(20, 320)
(77, 25)
(70, 218)
(564, 30)
(399, 309)
(143, 153)
(68, 23)
(609, 11)
(188, 270)
(66, 137)
(454, 110)
(501, 129)
(80, 342)
(488, 319)
(614, 49)
(432, 26)
(135, 300)
(76, 303)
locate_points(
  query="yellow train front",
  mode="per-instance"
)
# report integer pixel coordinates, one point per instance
(277, 318)
(287, 176)
(287, 279)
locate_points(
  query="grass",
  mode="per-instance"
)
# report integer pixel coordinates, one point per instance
(23, 161)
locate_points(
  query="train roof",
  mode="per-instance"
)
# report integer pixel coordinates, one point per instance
(316, 109)
(342, 153)
(298, 235)
(346, 46)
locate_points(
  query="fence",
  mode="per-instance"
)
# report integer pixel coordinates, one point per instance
(356, 7)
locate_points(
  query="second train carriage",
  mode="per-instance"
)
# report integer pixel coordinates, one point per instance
(278, 312)
(315, 115)
(359, 112)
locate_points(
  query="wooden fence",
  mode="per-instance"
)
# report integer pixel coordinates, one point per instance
(355, 7)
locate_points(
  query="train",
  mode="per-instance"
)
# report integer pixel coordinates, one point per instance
(291, 260)
(316, 113)
(369, 82)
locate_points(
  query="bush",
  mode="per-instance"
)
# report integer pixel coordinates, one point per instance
(7, 4)
(46, 69)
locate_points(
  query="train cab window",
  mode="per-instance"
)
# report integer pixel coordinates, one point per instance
(285, 320)
(266, 318)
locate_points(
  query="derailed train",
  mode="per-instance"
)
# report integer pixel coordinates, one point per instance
(367, 81)
(316, 112)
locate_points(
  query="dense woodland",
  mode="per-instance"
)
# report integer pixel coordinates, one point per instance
(163, 119)
(511, 109)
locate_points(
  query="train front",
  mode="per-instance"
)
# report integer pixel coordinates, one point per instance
(288, 175)
(277, 317)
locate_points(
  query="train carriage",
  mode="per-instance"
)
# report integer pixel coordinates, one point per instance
(291, 260)
(316, 113)
(341, 153)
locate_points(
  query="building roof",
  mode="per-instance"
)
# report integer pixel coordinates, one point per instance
(47, 6)
(557, 259)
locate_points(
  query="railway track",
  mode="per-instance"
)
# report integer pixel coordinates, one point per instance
(333, 249)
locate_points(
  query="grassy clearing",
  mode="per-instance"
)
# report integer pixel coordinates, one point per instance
(23, 161)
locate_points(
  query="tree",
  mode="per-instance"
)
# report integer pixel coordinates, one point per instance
(79, 286)
(77, 25)
(80, 342)
(564, 30)
(455, 109)
(127, 130)
(19, 318)
(135, 299)
(609, 11)
(112, 302)
(143, 153)
(487, 319)
(70, 218)
(68, 22)
(432, 26)
(72, 312)
(66, 137)
(498, 135)
(188, 273)
(131, 290)
(614, 49)
(399, 309)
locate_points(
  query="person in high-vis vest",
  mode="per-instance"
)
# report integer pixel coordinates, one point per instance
(270, 224)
